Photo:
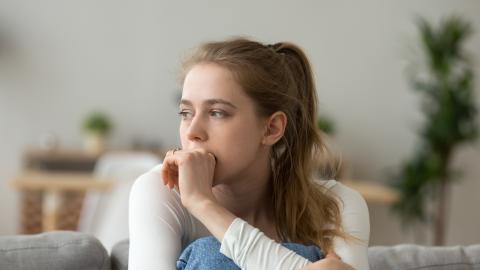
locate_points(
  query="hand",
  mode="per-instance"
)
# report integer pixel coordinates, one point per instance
(192, 172)
(330, 262)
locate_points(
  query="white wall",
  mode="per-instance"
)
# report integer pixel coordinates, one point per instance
(122, 56)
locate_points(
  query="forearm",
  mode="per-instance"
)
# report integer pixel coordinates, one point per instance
(247, 246)
(213, 216)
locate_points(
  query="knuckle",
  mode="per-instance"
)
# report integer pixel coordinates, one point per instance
(187, 157)
(200, 152)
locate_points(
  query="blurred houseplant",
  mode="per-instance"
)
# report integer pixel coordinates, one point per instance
(97, 126)
(329, 161)
(446, 84)
(326, 125)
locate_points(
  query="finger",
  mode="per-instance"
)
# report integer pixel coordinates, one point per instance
(165, 172)
(204, 152)
(166, 167)
(175, 184)
(169, 170)
(199, 150)
(169, 153)
(213, 156)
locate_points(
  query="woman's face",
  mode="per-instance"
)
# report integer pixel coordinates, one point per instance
(218, 116)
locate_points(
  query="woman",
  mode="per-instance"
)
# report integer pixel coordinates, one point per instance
(244, 173)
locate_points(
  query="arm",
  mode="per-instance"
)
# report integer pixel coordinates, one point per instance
(158, 223)
(251, 249)
(356, 222)
(192, 172)
(156, 219)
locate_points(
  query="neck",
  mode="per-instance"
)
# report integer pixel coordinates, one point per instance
(249, 196)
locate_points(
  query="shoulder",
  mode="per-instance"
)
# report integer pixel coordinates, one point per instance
(151, 202)
(150, 184)
(164, 204)
(347, 195)
(353, 207)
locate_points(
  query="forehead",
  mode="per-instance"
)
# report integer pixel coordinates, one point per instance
(208, 80)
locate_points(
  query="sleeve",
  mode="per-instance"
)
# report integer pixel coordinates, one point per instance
(356, 222)
(156, 224)
(249, 248)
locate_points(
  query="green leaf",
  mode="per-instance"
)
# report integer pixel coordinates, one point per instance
(450, 116)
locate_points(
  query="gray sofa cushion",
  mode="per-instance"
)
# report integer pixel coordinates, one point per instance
(414, 257)
(399, 257)
(59, 250)
(119, 256)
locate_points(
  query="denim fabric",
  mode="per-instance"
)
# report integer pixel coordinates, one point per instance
(204, 253)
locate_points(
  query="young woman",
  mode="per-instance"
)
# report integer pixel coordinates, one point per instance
(244, 174)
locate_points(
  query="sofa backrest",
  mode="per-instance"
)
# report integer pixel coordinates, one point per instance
(415, 257)
(399, 257)
(66, 250)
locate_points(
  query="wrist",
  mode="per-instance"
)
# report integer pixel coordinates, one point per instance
(214, 216)
(197, 206)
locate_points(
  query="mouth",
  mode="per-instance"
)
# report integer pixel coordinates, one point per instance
(208, 151)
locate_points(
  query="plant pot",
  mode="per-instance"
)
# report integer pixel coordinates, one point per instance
(95, 143)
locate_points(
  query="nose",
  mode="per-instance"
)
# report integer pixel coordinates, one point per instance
(196, 130)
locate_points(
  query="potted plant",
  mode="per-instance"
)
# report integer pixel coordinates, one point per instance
(97, 127)
(445, 80)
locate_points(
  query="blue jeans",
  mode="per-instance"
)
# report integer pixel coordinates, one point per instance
(204, 253)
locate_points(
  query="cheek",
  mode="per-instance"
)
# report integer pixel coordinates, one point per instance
(236, 150)
(181, 133)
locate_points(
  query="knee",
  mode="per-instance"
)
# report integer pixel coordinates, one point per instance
(207, 241)
(199, 253)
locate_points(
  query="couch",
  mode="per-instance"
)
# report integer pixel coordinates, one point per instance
(67, 250)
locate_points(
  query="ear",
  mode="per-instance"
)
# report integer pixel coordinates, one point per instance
(275, 128)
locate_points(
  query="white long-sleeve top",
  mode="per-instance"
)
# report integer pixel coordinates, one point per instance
(160, 228)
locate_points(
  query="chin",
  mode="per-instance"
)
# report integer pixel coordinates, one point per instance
(219, 177)
(217, 180)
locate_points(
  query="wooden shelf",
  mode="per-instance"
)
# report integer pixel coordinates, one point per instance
(53, 185)
(63, 181)
(373, 192)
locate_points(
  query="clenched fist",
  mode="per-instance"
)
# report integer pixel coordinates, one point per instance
(191, 171)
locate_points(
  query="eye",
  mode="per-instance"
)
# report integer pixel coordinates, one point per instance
(218, 114)
(185, 114)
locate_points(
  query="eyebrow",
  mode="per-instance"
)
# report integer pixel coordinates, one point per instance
(210, 102)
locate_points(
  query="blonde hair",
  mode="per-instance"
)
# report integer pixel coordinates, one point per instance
(278, 77)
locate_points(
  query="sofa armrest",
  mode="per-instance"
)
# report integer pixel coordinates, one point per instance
(119, 256)
(57, 250)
